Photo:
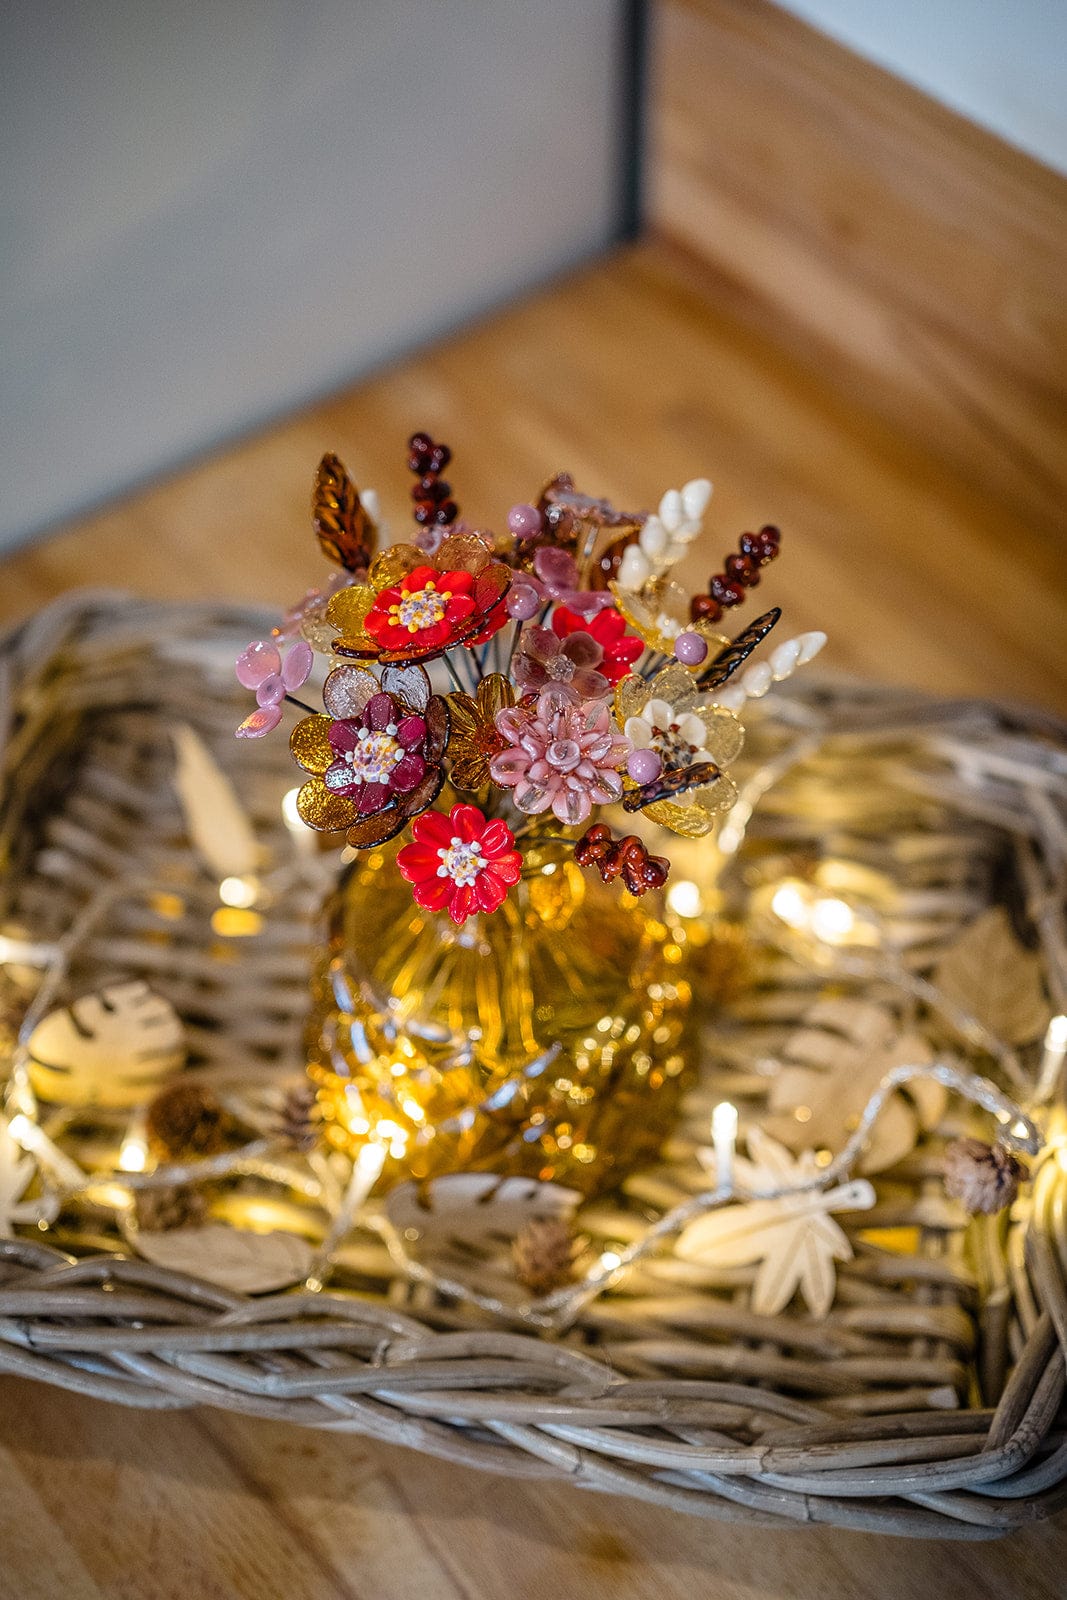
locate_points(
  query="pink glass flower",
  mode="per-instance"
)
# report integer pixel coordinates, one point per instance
(260, 667)
(557, 572)
(562, 756)
(543, 658)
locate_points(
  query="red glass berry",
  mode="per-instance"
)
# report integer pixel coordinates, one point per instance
(702, 608)
(420, 441)
(741, 569)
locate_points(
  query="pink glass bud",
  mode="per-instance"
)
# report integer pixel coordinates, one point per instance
(257, 662)
(260, 722)
(298, 665)
(271, 692)
(690, 649)
(523, 601)
(524, 521)
(644, 766)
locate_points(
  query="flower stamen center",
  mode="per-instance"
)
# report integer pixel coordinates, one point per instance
(460, 861)
(376, 754)
(422, 608)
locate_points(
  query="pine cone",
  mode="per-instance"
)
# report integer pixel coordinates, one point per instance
(543, 1254)
(186, 1122)
(300, 1120)
(983, 1178)
(160, 1210)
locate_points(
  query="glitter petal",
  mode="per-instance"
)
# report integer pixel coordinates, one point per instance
(321, 810)
(347, 690)
(310, 744)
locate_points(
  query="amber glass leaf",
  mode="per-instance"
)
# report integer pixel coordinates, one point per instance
(310, 744)
(347, 534)
(376, 827)
(322, 810)
(437, 725)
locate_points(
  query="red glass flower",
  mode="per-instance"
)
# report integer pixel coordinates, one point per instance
(422, 608)
(461, 863)
(621, 649)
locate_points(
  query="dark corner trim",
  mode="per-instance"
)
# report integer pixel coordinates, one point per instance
(633, 84)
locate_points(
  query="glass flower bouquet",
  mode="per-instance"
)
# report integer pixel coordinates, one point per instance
(494, 704)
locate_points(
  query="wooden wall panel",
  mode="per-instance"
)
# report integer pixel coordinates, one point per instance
(917, 260)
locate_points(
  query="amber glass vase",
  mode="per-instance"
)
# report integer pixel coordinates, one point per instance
(545, 1040)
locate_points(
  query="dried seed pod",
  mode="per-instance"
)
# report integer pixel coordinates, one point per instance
(300, 1120)
(543, 1254)
(983, 1178)
(186, 1122)
(161, 1210)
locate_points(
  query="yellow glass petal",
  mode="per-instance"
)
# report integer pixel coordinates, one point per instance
(631, 696)
(724, 733)
(321, 809)
(394, 563)
(319, 634)
(310, 744)
(469, 772)
(692, 822)
(348, 608)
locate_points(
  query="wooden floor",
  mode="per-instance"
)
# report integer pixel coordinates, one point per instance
(627, 375)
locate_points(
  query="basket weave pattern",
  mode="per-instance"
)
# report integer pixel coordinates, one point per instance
(669, 1388)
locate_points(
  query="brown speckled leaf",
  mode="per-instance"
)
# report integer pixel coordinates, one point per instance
(991, 975)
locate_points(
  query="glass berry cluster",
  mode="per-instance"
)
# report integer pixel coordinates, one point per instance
(533, 677)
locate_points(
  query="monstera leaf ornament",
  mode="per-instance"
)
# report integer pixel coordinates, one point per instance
(110, 1049)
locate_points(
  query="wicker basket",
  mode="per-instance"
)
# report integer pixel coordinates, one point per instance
(928, 1402)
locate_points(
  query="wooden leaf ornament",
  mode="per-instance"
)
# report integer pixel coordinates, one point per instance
(234, 1258)
(109, 1049)
(476, 1207)
(345, 529)
(216, 822)
(16, 1170)
(830, 1067)
(991, 975)
(793, 1239)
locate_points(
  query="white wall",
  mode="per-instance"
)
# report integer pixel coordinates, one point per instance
(1003, 63)
(214, 210)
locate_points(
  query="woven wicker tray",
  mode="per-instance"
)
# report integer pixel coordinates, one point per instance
(928, 1402)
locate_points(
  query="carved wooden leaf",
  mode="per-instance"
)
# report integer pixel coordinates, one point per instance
(110, 1049)
(234, 1258)
(793, 1239)
(16, 1170)
(991, 975)
(832, 1064)
(216, 821)
(476, 1207)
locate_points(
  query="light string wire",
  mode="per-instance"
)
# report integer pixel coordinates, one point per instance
(556, 1311)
